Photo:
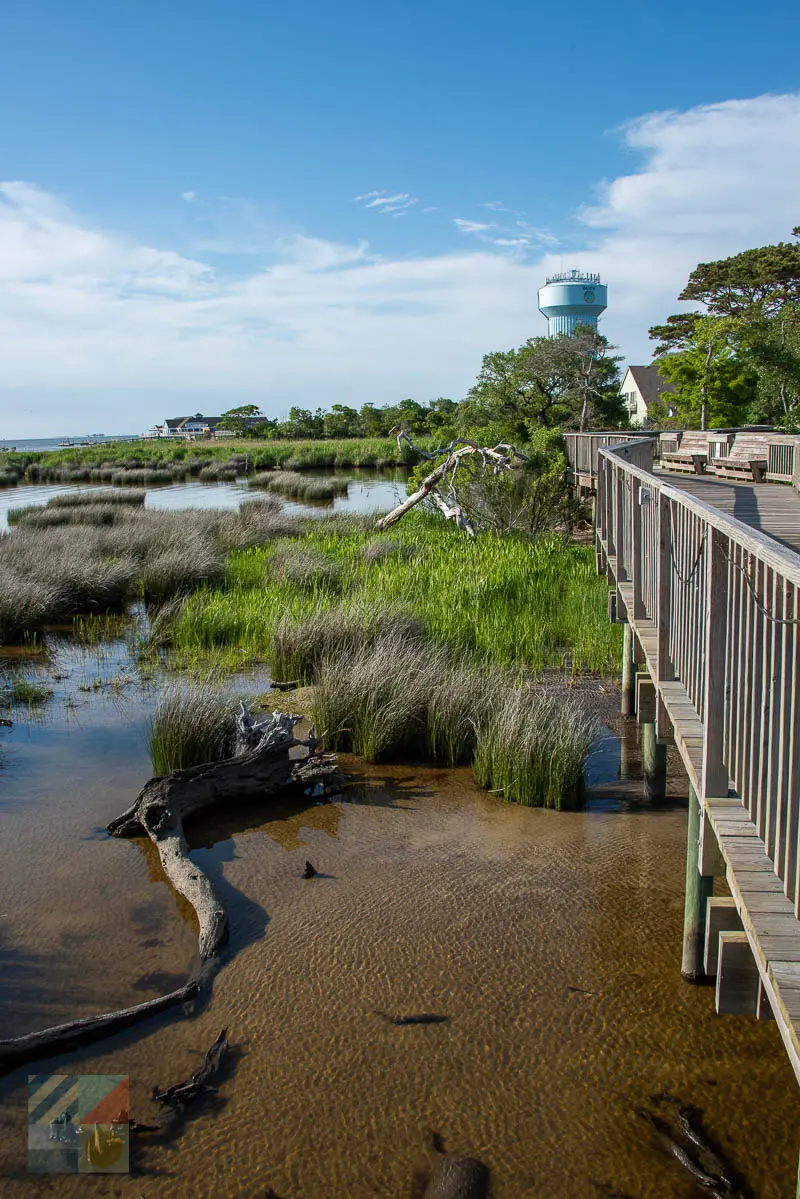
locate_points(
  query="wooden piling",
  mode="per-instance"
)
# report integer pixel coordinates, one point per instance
(699, 888)
(654, 764)
(628, 672)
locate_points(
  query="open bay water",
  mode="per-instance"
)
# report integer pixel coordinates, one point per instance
(32, 444)
(366, 492)
(550, 940)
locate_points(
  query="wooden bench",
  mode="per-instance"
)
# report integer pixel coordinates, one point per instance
(691, 456)
(748, 459)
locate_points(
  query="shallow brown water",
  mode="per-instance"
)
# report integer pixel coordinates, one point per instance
(437, 898)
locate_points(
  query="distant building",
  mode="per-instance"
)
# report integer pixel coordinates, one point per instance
(188, 426)
(642, 387)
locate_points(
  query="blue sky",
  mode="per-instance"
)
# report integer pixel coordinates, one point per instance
(212, 203)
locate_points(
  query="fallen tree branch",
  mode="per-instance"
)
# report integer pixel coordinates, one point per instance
(64, 1037)
(261, 766)
(498, 458)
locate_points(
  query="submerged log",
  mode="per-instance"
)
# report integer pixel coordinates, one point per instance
(197, 1084)
(457, 1177)
(262, 766)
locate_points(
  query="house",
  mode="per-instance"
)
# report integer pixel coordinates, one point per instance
(643, 386)
(189, 426)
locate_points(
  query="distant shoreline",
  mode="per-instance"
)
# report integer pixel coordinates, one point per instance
(56, 443)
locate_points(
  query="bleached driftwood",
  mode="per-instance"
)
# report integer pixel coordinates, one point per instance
(260, 767)
(439, 485)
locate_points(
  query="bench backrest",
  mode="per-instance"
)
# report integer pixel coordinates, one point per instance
(694, 443)
(747, 446)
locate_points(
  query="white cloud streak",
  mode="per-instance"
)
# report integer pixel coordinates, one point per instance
(102, 332)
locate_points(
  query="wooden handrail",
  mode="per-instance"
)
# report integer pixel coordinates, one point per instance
(716, 607)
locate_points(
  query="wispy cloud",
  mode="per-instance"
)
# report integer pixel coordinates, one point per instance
(390, 204)
(188, 196)
(495, 205)
(470, 226)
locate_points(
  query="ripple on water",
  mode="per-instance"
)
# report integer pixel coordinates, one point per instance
(550, 940)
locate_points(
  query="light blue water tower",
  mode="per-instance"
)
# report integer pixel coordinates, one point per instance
(572, 298)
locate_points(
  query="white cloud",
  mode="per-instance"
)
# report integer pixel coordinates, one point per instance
(396, 204)
(188, 196)
(470, 226)
(116, 335)
(495, 205)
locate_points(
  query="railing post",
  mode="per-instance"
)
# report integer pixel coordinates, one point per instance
(628, 705)
(636, 551)
(619, 525)
(715, 773)
(664, 671)
(611, 483)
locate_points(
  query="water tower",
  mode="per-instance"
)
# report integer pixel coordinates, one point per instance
(572, 298)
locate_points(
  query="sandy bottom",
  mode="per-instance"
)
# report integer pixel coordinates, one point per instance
(433, 898)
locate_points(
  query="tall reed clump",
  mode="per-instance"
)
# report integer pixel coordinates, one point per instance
(532, 748)
(301, 640)
(192, 725)
(401, 696)
(374, 700)
(100, 495)
(296, 486)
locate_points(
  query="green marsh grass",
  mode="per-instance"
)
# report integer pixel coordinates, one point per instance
(295, 485)
(402, 697)
(537, 604)
(192, 725)
(532, 748)
(23, 691)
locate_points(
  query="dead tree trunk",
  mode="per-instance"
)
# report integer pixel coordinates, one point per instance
(495, 458)
(261, 767)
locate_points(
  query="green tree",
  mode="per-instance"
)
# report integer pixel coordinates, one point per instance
(342, 421)
(303, 424)
(236, 420)
(570, 380)
(715, 383)
(749, 333)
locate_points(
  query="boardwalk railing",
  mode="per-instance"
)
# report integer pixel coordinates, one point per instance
(582, 450)
(716, 608)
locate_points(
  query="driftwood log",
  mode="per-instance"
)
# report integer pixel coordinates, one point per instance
(439, 485)
(265, 763)
(261, 767)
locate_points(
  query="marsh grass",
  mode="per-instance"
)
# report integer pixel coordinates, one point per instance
(532, 748)
(23, 691)
(301, 640)
(401, 697)
(102, 495)
(294, 485)
(192, 725)
(539, 605)
(74, 562)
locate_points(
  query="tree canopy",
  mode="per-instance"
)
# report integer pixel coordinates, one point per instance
(737, 360)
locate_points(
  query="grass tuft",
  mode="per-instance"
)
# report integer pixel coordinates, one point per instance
(192, 725)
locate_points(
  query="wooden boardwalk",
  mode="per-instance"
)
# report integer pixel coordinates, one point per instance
(707, 579)
(771, 508)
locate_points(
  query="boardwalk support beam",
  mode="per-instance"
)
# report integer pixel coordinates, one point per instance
(628, 672)
(654, 765)
(698, 891)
